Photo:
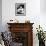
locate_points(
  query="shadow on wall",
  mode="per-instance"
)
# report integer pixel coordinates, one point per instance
(0, 15)
(43, 6)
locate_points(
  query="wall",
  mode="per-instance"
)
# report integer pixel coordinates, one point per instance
(33, 13)
(43, 14)
(0, 14)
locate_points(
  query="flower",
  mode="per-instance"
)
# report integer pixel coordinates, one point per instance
(40, 33)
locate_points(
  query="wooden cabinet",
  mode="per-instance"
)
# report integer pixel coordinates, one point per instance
(22, 33)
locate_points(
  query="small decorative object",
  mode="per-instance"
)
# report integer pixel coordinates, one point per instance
(27, 21)
(20, 9)
(41, 36)
(14, 21)
(11, 20)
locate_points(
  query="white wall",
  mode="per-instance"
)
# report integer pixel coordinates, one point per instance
(33, 13)
(43, 14)
(43, 6)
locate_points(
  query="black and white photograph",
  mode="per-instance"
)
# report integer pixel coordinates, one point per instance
(20, 9)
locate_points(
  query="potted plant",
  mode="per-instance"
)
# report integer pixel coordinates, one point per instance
(41, 36)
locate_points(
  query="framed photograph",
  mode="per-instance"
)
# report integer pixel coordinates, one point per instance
(20, 9)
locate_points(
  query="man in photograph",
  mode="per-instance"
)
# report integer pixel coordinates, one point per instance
(20, 9)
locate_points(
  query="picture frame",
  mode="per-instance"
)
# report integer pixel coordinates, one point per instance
(20, 9)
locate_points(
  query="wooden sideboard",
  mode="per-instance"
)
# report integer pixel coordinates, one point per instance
(22, 33)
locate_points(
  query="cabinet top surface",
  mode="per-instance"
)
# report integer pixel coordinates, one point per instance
(19, 23)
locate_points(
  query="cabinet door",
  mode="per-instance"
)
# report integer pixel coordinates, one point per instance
(20, 37)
